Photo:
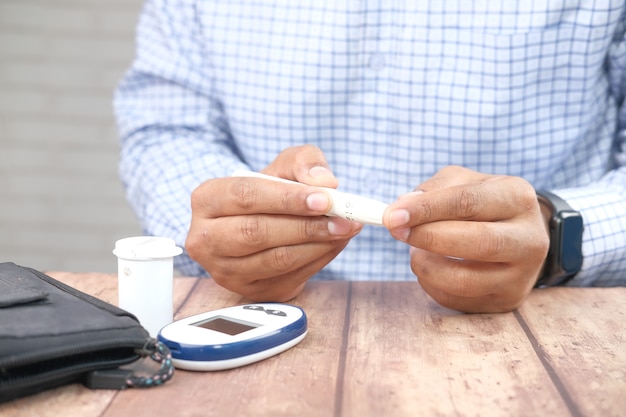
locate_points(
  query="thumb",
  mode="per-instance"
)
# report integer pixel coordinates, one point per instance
(306, 164)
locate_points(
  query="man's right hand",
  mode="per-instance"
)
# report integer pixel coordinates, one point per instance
(264, 239)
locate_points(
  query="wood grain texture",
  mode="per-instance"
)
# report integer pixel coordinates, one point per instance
(70, 400)
(408, 356)
(581, 336)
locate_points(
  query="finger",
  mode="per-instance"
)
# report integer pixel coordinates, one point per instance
(306, 164)
(490, 303)
(469, 285)
(294, 264)
(497, 199)
(458, 277)
(245, 195)
(451, 176)
(273, 262)
(479, 241)
(254, 233)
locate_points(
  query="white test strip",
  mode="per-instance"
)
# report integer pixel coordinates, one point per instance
(348, 206)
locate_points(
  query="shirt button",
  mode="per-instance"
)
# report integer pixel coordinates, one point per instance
(377, 62)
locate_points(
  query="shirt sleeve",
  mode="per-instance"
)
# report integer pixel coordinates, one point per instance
(173, 133)
(603, 203)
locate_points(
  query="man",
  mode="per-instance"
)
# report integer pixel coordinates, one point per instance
(453, 113)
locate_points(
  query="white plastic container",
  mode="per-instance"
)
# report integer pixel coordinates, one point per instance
(145, 270)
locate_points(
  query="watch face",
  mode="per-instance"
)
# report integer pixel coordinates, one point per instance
(571, 241)
(565, 256)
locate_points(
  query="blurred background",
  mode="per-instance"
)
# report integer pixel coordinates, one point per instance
(62, 206)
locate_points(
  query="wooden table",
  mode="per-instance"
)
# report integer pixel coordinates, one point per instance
(387, 349)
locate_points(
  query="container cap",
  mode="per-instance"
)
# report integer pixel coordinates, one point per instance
(146, 248)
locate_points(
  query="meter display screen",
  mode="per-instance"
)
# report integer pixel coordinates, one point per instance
(226, 325)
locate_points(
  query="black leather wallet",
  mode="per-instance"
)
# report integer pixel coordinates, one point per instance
(52, 334)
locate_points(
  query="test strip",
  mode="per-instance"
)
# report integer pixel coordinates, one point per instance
(348, 206)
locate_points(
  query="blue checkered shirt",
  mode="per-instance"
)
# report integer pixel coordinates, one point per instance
(391, 92)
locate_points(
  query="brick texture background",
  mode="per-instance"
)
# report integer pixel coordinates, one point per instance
(62, 206)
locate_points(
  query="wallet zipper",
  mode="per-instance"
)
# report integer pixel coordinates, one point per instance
(135, 344)
(72, 371)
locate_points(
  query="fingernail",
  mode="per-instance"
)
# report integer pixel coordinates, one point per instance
(401, 234)
(317, 202)
(338, 226)
(399, 218)
(320, 171)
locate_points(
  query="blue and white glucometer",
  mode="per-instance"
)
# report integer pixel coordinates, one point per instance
(233, 336)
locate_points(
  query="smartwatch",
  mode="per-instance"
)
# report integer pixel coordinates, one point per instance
(565, 256)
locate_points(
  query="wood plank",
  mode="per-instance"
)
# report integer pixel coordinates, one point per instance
(581, 333)
(70, 400)
(300, 381)
(75, 399)
(408, 356)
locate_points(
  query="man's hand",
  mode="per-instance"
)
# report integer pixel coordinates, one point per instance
(264, 239)
(478, 241)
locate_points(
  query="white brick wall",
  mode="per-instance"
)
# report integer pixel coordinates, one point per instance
(61, 203)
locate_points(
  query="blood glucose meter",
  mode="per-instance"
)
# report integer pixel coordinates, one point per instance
(233, 336)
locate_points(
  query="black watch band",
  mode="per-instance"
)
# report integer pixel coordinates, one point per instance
(565, 257)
